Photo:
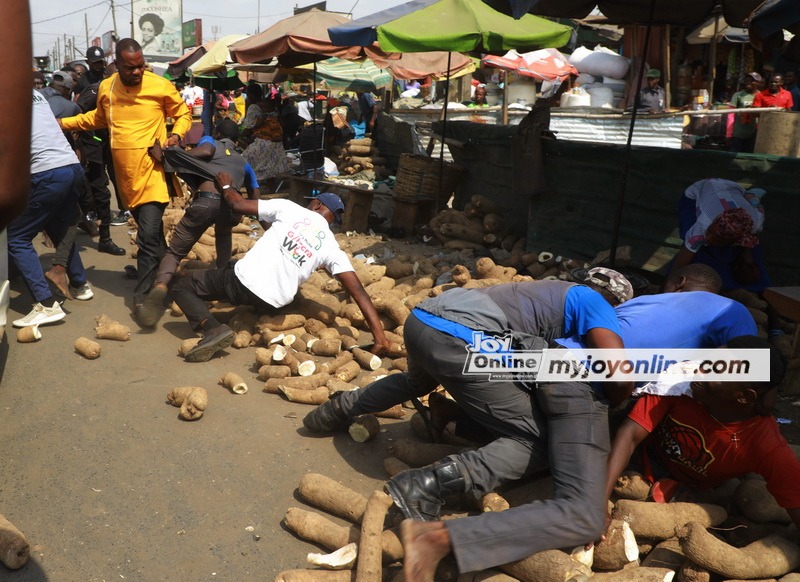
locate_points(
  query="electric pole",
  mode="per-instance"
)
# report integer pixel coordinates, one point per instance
(114, 19)
(86, 23)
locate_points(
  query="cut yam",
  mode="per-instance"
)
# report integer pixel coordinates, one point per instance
(30, 334)
(342, 559)
(364, 428)
(234, 382)
(547, 566)
(326, 347)
(659, 520)
(618, 549)
(370, 547)
(366, 360)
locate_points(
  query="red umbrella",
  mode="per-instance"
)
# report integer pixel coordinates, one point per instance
(545, 64)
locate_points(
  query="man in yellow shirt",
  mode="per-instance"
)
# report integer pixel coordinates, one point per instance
(133, 105)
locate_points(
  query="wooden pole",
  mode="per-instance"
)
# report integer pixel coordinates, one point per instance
(712, 57)
(505, 99)
(667, 68)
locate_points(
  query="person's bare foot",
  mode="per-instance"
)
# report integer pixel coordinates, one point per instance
(57, 275)
(425, 543)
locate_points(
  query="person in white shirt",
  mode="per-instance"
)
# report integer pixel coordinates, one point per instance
(56, 179)
(298, 242)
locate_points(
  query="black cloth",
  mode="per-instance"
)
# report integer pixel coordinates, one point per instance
(196, 170)
(152, 246)
(652, 99)
(192, 289)
(88, 79)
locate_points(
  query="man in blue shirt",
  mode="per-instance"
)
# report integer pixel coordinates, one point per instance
(563, 425)
(198, 167)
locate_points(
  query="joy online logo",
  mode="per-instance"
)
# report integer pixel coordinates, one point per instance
(496, 357)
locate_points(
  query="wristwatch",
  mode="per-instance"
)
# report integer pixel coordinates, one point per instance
(226, 186)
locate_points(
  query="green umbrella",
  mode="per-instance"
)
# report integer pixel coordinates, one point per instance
(345, 75)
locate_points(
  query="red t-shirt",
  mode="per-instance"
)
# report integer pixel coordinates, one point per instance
(697, 451)
(782, 98)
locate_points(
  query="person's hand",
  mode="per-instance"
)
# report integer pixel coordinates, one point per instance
(223, 179)
(173, 140)
(590, 545)
(379, 347)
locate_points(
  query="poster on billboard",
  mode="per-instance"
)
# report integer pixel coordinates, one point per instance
(192, 33)
(157, 27)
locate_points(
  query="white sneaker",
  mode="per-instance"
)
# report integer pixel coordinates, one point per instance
(40, 315)
(82, 293)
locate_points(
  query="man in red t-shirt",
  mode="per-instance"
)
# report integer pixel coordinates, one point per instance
(774, 95)
(723, 431)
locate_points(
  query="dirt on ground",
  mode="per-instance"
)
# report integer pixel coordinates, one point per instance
(107, 483)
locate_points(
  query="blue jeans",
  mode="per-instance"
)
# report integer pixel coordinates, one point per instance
(52, 207)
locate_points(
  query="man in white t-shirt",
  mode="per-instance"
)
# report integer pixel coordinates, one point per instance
(298, 242)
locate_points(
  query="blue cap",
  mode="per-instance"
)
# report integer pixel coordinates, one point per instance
(334, 204)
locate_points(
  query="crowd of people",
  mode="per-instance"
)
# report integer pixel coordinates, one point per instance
(109, 123)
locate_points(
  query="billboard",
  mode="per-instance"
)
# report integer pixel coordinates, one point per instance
(318, 6)
(107, 42)
(157, 27)
(192, 33)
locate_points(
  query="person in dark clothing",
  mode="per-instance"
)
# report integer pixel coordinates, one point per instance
(561, 424)
(652, 98)
(96, 73)
(198, 167)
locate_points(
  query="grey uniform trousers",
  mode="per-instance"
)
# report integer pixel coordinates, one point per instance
(561, 425)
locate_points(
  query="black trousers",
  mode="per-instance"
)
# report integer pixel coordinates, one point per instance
(152, 246)
(191, 291)
(101, 195)
(201, 213)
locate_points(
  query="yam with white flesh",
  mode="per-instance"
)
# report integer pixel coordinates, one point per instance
(333, 497)
(342, 559)
(659, 520)
(303, 395)
(364, 427)
(326, 347)
(618, 549)
(770, 557)
(234, 382)
(299, 368)
(14, 547)
(637, 574)
(348, 371)
(318, 529)
(29, 334)
(330, 366)
(366, 360)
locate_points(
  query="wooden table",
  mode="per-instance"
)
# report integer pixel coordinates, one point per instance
(357, 201)
(786, 303)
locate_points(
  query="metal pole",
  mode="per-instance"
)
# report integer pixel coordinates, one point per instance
(444, 132)
(86, 23)
(505, 99)
(114, 19)
(667, 68)
(712, 57)
(623, 186)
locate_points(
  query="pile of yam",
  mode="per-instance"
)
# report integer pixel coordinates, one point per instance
(359, 155)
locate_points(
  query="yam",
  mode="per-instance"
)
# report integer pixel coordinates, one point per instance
(770, 557)
(400, 364)
(268, 336)
(30, 334)
(113, 331)
(547, 566)
(758, 316)
(187, 345)
(370, 274)
(746, 298)
(326, 347)
(273, 371)
(397, 269)
(395, 412)
(659, 520)
(385, 284)
(537, 490)
(617, 549)
(314, 326)
(305, 395)
(14, 548)
(637, 574)
(340, 360)
(364, 427)
(283, 322)
(484, 205)
(493, 502)
(348, 371)
(417, 454)
(320, 530)
(314, 576)
(299, 368)
(492, 223)
(691, 572)
(370, 548)
(461, 275)
(393, 466)
(758, 504)
(234, 382)
(631, 485)
(352, 312)
(667, 554)
(88, 349)
(342, 559)
(192, 401)
(242, 339)
(336, 385)
(485, 268)
(332, 497)
(392, 307)
(273, 385)
(264, 356)
(365, 359)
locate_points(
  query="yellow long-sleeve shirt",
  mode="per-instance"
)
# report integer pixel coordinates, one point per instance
(136, 118)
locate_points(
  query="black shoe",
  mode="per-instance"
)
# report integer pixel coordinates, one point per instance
(214, 341)
(153, 307)
(421, 493)
(131, 272)
(327, 417)
(121, 219)
(108, 246)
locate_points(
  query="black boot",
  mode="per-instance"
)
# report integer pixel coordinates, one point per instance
(327, 417)
(421, 493)
(106, 245)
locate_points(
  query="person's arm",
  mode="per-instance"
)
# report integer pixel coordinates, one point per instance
(203, 151)
(238, 203)
(356, 290)
(629, 435)
(15, 138)
(605, 339)
(251, 182)
(176, 108)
